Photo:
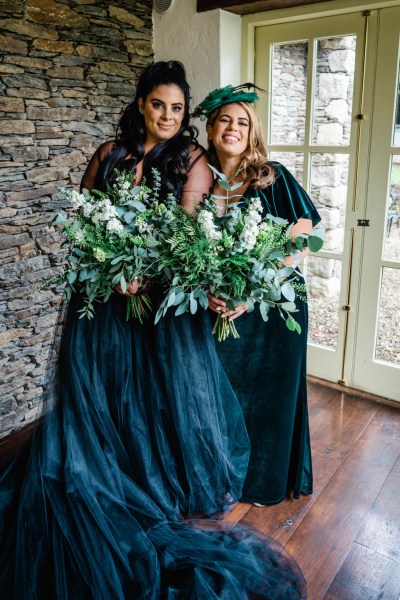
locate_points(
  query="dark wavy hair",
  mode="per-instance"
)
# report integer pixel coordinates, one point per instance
(170, 158)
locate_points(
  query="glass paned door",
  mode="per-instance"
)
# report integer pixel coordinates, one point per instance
(377, 352)
(312, 72)
(342, 89)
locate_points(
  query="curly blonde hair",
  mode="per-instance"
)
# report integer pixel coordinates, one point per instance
(258, 171)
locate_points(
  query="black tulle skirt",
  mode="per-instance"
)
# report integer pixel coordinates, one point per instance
(142, 435)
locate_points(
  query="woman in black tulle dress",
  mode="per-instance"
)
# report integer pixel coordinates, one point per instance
(141, 429)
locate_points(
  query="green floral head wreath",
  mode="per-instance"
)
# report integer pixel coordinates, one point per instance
(225, 95)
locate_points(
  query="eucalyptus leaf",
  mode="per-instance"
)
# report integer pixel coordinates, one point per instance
(182, 308)
(61, 218)
(264, 308)
(250, 304)
(235, 186)
(288, 291)
(289, 306)
(171, 298)
(290, 323)
(122, 282)
(179, 296)
(224, 184)
(72, 275)
(203, 300)
(277, 220)
(138, 205)
(193, 305)
(315, 243)
(217, 173)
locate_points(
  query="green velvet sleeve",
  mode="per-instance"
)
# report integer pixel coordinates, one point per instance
(286, 198)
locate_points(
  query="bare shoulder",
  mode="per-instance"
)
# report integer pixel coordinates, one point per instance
(105, 149)
(196, 151)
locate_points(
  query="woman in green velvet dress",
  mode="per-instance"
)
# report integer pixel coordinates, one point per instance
(266, 366)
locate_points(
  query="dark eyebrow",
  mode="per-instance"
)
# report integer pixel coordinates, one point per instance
(162, 102)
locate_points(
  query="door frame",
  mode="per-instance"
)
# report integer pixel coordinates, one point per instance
(357, 243)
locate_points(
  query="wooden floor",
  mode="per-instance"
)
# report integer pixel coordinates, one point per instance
(346, 536)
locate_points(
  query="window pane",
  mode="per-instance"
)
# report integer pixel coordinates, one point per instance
(289, 86)
(329, 174)
(388, 334)
(323, 277)
(334, 90)
(396, 133)
(293, 161)
(392, 239)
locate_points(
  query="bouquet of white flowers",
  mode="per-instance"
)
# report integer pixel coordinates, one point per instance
(238, 256)
(111, 242)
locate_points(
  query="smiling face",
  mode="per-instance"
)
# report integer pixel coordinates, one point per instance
(163, 112)
(230, 131)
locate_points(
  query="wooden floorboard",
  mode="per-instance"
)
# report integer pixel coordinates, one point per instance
(346, 535)
(365, 575)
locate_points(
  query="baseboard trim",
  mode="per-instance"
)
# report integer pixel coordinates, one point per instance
(353, 391)
(12, 444)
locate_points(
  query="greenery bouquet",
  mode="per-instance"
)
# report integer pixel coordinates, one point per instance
(111, 241)
(239, 256)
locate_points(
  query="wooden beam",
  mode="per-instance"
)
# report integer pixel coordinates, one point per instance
(251, 6)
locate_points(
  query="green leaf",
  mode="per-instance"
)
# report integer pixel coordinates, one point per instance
(193, 305)
(138, 205)
(289, 306)
(264, 308)
(277, 220)
(284, 272)
(219, 175)
(123, 284)
(179, 296)
(72, 275)
(290, 323)
(171, 298)
(315, 243)
(288, 291)
(250, 304)
(61, 218)
(297, 327)
(235, 186)
(116, 279)
(203, 299)
(182, 308)
(224, 184)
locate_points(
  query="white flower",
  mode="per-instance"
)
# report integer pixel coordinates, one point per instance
(248, 237)
(80, 236)
(96, 218)
(76, 199)
(142, 226)
(207, 225)
(114, 226)
(107, 209)
(99, 254)
(87, 209)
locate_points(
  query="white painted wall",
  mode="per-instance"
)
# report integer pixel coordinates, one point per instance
(208, 44)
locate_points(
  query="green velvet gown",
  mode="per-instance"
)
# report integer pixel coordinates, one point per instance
(266, 367)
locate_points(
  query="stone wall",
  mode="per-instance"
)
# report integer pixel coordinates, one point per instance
(67, 69)
(331, 123)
